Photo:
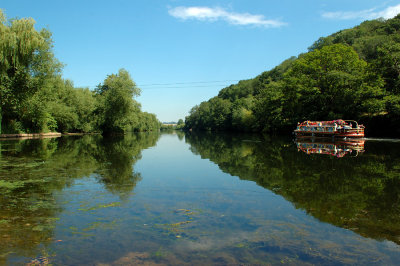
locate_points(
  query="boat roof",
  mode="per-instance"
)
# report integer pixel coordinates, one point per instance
(337, 121)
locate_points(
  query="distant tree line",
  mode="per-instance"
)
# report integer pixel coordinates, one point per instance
(352, 74)
(180, 125)
(35, 98)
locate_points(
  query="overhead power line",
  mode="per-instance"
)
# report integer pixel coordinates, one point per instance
(188, 83)
(185, 85)
(180, 85)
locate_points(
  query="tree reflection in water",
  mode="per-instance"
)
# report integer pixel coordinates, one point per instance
(358, 193)
(33, 170)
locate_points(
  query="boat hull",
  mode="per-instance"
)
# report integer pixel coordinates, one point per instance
(335, 129)
(337, 134)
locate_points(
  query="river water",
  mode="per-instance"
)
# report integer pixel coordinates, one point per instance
(199, 199)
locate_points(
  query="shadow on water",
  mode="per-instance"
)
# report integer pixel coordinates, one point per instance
(33, 171)
(360, 193)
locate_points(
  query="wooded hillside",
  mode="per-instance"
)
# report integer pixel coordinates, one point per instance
(352, 74)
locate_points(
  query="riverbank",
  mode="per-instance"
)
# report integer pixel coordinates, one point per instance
(40, 135)
(30, 136)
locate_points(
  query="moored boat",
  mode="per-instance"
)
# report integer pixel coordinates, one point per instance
(335, 128)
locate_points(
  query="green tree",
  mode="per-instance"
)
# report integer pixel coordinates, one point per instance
(180, 125)
(388, 65)
(331, 82)
(71, 108)
(243, 118)
(268, 108)
(26, 64)
(117, 108)
(146, 122)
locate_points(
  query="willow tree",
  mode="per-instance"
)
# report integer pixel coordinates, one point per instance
(26, 63)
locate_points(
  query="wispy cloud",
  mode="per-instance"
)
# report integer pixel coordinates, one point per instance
(217, 13)
(372, 13)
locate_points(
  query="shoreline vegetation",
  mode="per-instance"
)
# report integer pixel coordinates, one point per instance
(353, 74)
(22, 136)
(35, 99)
(30, 136)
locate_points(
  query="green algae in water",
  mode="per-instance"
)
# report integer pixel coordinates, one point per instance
(7, 185)
(102, 225)
(240, 222)
(101, 206)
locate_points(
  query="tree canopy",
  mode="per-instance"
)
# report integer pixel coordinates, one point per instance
(27, 65)
(35, 98)
(351, 74)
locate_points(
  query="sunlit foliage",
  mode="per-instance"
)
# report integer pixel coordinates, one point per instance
(35, 98)
(352, 74)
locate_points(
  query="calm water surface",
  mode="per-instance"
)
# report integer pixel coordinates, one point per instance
(199, 199)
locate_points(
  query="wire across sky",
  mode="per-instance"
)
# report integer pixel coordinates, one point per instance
(181, 85)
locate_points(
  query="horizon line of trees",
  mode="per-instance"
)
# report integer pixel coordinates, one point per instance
(352, 74)
(180, 125)
(35, 98)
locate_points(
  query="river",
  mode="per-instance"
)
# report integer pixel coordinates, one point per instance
(199, 199)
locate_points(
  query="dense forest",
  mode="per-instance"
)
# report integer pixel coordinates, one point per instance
(352, 74)
(35, 98)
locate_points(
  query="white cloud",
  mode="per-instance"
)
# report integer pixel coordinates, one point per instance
(372, 13)
(390, 12)
(214, 14)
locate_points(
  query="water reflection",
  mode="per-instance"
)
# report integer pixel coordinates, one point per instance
(357, 193)
(33, 170)
(337, 148)
(71, 200)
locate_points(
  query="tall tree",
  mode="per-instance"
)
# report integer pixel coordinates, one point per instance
(26, 63)
(117, 109)
(331, 82)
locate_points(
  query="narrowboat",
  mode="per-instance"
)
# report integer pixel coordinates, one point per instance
(335, 128)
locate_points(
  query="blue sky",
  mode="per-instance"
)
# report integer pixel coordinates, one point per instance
(192, 48)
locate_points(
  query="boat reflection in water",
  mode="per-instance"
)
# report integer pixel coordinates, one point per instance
(337, 148)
